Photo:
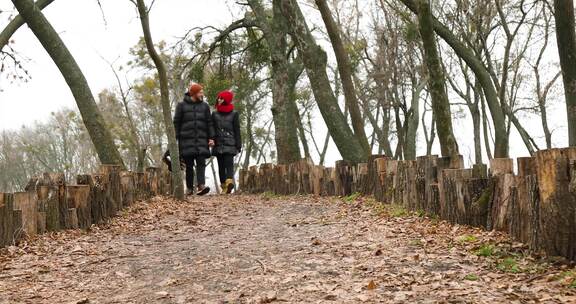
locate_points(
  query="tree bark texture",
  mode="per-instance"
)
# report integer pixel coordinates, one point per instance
(315, 61)
(566, 37)
(436, 85)
(346, 74)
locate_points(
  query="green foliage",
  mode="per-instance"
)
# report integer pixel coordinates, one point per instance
(269, 195)
(215, 84)
(416, 243)
(509, 264)
(467, 239)
(411, 32)
(352, 197)
(471, 277)
(398, 211)
(486, 250)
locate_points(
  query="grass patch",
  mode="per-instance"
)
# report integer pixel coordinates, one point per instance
(568, 278)
(420, 213)
(509, 264)
(485, 250)
(416, 243)
(398, 211)
(380, 209)
(466, 239)
(268, 195)
(352, 197)
(471, 277)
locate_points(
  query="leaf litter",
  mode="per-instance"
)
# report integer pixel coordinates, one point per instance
(257, 249)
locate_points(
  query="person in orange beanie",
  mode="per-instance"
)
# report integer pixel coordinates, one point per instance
(195, 135)
(228, 142)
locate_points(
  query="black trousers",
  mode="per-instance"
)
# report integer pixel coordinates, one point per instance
(225, 167)
(200, 163)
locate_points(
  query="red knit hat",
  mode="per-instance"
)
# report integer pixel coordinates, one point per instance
(195, 89)
(226, 96)
(226, 106)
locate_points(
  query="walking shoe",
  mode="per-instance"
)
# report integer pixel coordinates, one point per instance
(229, 185)
(203, 190)
(189, 192)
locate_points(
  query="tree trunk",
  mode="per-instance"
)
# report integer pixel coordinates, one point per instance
(286, 136)
(413, 120)
(475, 113)
(17, 22)
(483, 76)
(437, 85)
(91, 116)
(315, 61)
(177, 182)
(566, 36)
(346, 74)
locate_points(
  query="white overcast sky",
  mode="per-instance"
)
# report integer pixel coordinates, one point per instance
(82, 27)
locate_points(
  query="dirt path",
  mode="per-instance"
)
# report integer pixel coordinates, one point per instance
(253, 249)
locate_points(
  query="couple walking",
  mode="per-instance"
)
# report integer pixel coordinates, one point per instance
(202, 133)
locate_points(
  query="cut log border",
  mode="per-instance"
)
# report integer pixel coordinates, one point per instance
(536, 206)
(51, 204)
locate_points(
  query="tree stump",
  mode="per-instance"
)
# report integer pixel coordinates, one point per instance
(453, 207)
(51, 193)
(526, 166)
(502, 185)
(72, 219)
(140, 189)
(78, 199)
(97, 197)
(476, 194)
(252, 180)
(390, 181)
(329, 183)
(152, 178)
(480, 171)
(446, 163)
(113, 186)
(369, 187)
(49, 199)
(7, 226)
(27, 204)
(280, 180)
(242, 179)
(344, 178)
(405, 184)
(361, 182)
(556, 171)
(128, 184)
(317, 178)
(265, 177)
(500, 166)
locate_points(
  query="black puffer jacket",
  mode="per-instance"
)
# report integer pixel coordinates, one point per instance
(193, 124)
(228, 138)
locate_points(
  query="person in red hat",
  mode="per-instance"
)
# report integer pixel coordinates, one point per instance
(195, 134)
(228, 141)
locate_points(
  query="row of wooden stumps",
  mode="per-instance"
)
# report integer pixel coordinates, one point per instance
(50, 204)
(536, 205)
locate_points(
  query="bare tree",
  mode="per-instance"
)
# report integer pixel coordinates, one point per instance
(177, 182)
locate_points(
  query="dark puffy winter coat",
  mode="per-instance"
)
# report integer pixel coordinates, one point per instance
(228, 139)
(193, 124)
